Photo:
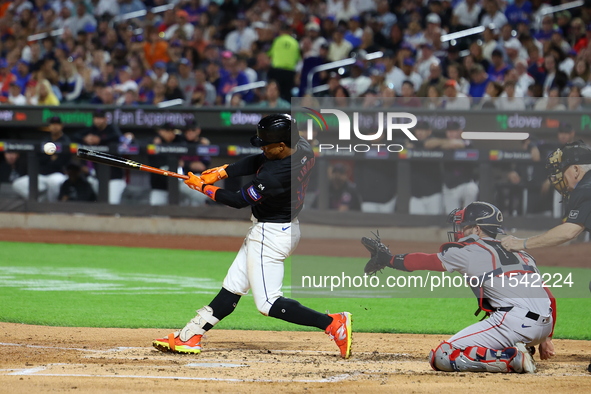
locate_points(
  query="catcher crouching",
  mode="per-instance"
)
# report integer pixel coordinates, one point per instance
(519, 317)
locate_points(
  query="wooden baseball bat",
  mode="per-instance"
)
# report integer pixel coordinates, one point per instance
(121, 162)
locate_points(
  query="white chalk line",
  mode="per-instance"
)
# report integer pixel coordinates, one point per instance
(35, 372)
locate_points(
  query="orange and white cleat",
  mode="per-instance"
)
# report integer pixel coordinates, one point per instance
(173, 343)
(340, 331)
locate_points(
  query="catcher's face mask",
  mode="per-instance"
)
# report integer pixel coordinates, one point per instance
(556, 170)
(456, 218)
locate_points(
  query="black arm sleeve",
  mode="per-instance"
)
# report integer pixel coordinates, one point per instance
(231, 199)
(247, 166)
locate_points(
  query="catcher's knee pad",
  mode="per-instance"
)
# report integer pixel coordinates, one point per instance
(478, 359)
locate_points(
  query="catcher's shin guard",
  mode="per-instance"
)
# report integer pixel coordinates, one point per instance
(481, 359)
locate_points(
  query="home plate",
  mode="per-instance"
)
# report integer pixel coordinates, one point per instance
(216, 365)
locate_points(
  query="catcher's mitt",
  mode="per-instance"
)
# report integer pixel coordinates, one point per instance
(380, 254)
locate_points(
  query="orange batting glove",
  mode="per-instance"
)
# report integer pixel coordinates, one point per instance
(196, 183)
(215, 174)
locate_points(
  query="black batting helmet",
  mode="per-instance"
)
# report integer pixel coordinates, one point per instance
(479, 213)
(275, 128)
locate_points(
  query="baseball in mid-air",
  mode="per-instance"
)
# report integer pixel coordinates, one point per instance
(49, 148)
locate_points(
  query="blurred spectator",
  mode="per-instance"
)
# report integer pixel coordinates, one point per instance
(426, 177)
(434, 99)
(492, 15)
(574, 102)
(202, 85)
(385, 18)
(342, 193)
(42, 94)
(408, 97)
(284, 54)
(76, 187)
(173, 90)
(125, 81)
(498, 67)
(51, 167)
(127, 6)
(434, 79)
(243, 67)
(166, 134)
(186, 77)
(160, 74)
(508, 100)
(155, 48)
(81, 20)
(524, 80)
(455, 72)
(12, 167)
(317, 41)
(551, 103)
(518, 12)
(407, 73)
(182, 29)
(426, 60)
(272, 99)
(6, 77)
(241, 39)
(71, 83)
(478, 81)
(308, 64)
(339, 48)
(454, 100)
(357, 83)
(465, 14)
(105, 134)
(15, 97)
(23, 75)
(231, 78)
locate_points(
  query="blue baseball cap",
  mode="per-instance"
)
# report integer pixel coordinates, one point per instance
(408, 61)
(160, 64)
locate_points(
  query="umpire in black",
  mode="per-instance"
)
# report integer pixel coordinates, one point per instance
(570, 173)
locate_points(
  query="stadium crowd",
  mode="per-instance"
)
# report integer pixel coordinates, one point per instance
(525, 55)
(129, 52)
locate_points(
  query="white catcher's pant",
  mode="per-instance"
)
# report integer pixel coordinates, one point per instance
(259, 263)
(504, 329)
(50, 183)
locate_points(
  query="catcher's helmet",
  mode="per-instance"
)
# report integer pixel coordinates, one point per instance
(479, 213)
(558, 161)
(275, 128)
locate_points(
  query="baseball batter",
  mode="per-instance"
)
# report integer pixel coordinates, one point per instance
(521, 312)
(276, 196)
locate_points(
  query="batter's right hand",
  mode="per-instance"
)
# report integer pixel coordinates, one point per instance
(195, 182)
(215, 174)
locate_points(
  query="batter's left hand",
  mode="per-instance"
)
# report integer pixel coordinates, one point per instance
(512, 244)
(546, 349)
(195, 182)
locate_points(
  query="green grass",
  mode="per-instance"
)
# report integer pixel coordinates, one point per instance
(100, 286)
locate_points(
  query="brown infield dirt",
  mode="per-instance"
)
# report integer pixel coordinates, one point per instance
(42, 359)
